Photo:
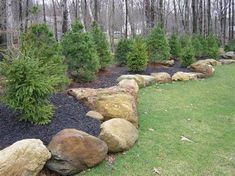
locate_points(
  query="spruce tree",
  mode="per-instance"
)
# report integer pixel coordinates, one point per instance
(122, 50)
(197, 46)
(101, 44)
(80, 52)
(212, 47)
(188, 54)
(175, 46)
(137, 58)
(158, 46)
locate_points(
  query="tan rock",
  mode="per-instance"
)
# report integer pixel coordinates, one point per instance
(162, 77)
(118, 134)
(73, 151)
(111, 102)
(95, 115)
(211, 62)
(148, 80)
(206, 69)
(227, 61)
(168, 63)
(23, 158)
(186, 76)
(229, 55)
(129, 84)
(139, 80)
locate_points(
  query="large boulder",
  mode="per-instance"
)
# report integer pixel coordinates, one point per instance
(111, 102)
(23, 158)
(186, 76)
(206, 69)
(129, 84)
(229, 55)
(211, 62)
(142, 80)
(162, 77)
(227, 61)
(118, 134)
(73, 151)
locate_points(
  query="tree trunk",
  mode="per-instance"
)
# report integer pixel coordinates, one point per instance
(186, 16)
(10, 32)
(205, 17)
(65, 20)
(233, 18)
(55, 20)
(194, 16)
(21, 16)
(225, 21)
(152, 13)
(126, 19)
(44, 11)
(96, 17)
(147, 14)
(176, 19)
(209, 26)
(161, 13)
(200, 17)
(26, 15)
(229, 20)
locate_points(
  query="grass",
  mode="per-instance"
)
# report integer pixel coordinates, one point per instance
(203, 111)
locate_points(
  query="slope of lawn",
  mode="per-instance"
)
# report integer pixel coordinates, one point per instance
(202, 111)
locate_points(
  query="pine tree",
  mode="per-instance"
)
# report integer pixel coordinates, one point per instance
(123, 48)
(175, 46)
(212, 47)
(137, 58)
(188, 54)
(197, 45)
(102, 45)
(158, 46)
(80, 52)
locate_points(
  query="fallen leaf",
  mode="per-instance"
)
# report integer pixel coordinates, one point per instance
(156, 170)
(183, 138)
(150, 129)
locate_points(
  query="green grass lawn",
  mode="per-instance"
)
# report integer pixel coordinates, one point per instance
(203, 111)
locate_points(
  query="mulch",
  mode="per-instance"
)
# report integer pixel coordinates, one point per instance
(69, 113)
(108, 77)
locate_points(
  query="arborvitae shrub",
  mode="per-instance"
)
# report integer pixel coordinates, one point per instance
(197, 45)
(27, 87)
(230, 46)
(187, 56)
(80, 52)
(102, 45)
(39, 42)
(175, 46)
(137, 58)
(122, 50)
(158, 46)
(212, 50)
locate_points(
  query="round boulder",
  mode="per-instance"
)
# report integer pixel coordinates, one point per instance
(119, 134)
(206, 69)
(95, 115)
(162, 77)
(73, 151)
(23, 158)
(129, 84)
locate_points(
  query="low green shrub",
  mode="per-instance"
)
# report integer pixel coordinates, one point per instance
(122, 50)
(230, 46)
(137, 57)
(80, 52)
(102, 45)
(27, 87)
(158, 46)
(212, 50)
(197, 44)
(175, 46)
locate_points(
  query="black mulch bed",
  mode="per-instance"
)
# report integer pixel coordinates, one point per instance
(69, 113)
(109, 77)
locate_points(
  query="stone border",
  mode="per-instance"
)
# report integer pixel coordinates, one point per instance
(71, 151)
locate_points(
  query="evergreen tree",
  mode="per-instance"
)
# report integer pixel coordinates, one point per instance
(80, 52)
(175, 46)
(39, 42)
(123, 48)
(212, 47)
(102, 45)
(158, 46)
(188, 54)
(137, 58)
(197, 45)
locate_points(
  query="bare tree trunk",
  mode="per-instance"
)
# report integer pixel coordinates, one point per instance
(96, 17)
(221, 22)
(112, 25)
(80, 12)
(161, 13)
(21, 16)
(44, 11)
(225, 21)
(147, 14)
(209, 27)
(26, 15)
(186, 16)
(55, 20)
(233, 18)
(176, 19)
(205, 15)
(65, 23)
(126, 18)
(152, 13)
(200, 17)
(10, 32)
(194, 16)
(229, 20)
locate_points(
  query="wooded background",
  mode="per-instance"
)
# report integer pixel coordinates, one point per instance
(119, 18)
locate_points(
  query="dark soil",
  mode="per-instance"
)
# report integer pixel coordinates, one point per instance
(109, 77)
(69, 113)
